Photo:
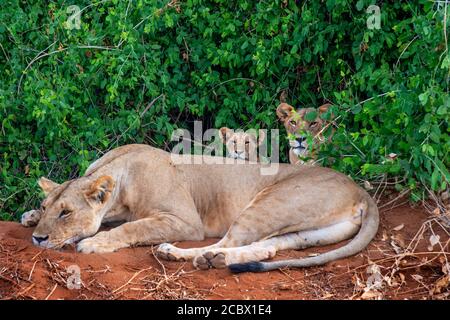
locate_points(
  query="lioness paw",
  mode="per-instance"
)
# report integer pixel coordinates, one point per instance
(93, 245)
(210, 260)
(223, 257)
(167, 251)
(30, 218)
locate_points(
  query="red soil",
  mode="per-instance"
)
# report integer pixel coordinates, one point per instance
(28, 272)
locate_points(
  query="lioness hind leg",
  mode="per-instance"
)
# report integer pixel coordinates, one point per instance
(254, 223)
(222, 257)
(168, 251)
(266, 249)
(238, 235)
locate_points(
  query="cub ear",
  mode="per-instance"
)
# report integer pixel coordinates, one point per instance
(284, 110)
(47, 185)
(100, 190)
(225, 134)
(261, 136)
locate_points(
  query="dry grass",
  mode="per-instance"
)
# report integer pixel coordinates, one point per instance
(390, 274)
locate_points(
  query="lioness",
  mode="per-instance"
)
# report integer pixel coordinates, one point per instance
(241, 145)
(299, 127)
(161, 201)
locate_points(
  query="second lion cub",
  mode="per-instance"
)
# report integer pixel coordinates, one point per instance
(242, 145)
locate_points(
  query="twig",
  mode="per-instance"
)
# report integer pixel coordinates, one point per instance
(290, 277)
(151, 104)
(397, 256)
(9, 280)
(6, 56)
(158, 11)
(235, 79)
(401, 195)
(21, 293)
(131, 279)
(378, 188)
(378, 96)
(41, 55)
(401, 54)
(31, 272)
(51, 292)
(160, 263)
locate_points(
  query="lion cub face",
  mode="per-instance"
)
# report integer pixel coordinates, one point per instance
(299, 127)
(71, 211)
(241, 145)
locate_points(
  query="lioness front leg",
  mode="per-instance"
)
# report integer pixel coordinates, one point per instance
(147, 231)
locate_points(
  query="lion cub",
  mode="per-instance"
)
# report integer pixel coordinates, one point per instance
(241, 145)
(299, 128)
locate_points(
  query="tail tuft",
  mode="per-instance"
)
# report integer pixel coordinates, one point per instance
(246, 267)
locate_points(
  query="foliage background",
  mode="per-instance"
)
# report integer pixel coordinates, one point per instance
(67, 96)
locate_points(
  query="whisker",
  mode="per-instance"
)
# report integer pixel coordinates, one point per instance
(59, 243)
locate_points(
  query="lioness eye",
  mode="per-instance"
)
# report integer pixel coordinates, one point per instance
(247, 142)
(292, 123)
(64, 213)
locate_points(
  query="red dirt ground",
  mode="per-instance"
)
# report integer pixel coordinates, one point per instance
(28, 272)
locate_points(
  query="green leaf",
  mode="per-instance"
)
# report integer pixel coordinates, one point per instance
(434, 179)
(446, 62)
(442, 110)
(311, 116)
(423, 98)
(359, 5)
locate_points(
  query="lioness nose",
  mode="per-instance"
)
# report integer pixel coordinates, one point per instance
(39, 239)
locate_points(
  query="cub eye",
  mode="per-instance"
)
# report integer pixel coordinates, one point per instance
(43, 208)
(247, 142)
(234, 142)
(292, 123)
(64, 213)
(313, 124)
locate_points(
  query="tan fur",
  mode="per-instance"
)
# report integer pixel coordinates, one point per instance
(100, 190)
(162, 201)
(296, 125)
(240, 144)
(47, 185)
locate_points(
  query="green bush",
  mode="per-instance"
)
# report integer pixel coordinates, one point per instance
(68, 95)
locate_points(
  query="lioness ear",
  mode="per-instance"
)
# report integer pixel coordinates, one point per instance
(261, 137)
(225, 134)
(284, 110)
(100, 190)
(47, 185)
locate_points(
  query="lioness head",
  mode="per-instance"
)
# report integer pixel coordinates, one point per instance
(71, 211)
(240, 144)
(299, 126)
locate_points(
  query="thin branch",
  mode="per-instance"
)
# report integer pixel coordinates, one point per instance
(41, 55)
